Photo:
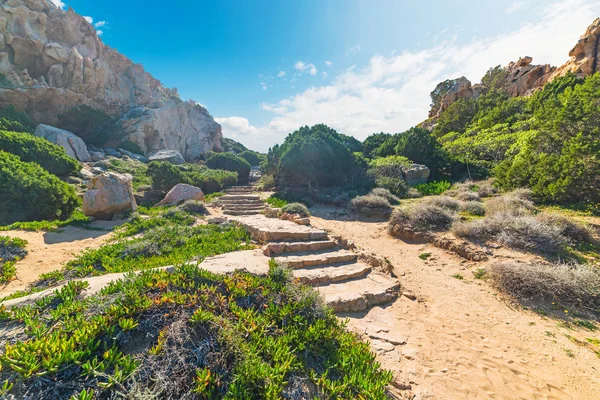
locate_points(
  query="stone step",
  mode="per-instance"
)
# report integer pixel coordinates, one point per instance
(315, 259)
(239, 197)
(265, 230)
(241, 212)
(272, 249)
(332, 274)
(243, 207)
(241, 202)
(360, 294)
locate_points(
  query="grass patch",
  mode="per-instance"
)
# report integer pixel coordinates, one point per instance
(187, 334)
(275, 202)
(424, 256)
(11, 251)
(480, 273)
(458, 276)
(433, 188)
(77, 219)
(209, 198)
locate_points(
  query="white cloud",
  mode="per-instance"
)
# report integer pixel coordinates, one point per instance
(328, 63)
(324, 74)
(517, 5)
(58, 3)
(89, 20)
(237, 127)
(391, 94)
(304, 67)
(281, 74)
(100, 24)
(353, 50)
(99, 32)
(299, 65)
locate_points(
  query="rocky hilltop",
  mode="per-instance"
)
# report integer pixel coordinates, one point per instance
(522, 78)
(52, 61)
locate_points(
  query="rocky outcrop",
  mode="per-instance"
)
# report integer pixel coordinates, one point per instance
(523, 78)
(416, 174)
(584, 56)
(52, 61)
(73, 145)
(180, 193)
(108, 194)
(171, 156)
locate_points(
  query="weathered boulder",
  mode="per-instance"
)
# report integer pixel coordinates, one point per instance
(584, 56)
(416, 174)
(523, 78)
(180, 193)
(53, 61)
(172, 156)
(133, 155)
(97, 156)
(108, 194)
(73, 145)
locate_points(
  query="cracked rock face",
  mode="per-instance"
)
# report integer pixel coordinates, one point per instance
(52, 61)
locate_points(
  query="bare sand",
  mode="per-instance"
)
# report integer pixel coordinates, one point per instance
(463, 340)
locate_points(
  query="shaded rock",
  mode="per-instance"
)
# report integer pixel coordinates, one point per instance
(216, 220)
(108, 194)
(112, 152)
(180, 193)
(97, 156)
(73, 145)
(86, 174)
(295, 218)
(416, 174)
(133, 155)
(584, 56)
(172, 156)
(150, 196)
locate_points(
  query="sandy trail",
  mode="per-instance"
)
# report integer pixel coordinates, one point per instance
(462, 340)
(49, 251)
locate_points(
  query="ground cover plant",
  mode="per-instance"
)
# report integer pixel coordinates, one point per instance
(433, 188)
(186, 334)
(135, 168)
(76, 219)
(275, 202)
(11, 251)
(28, 192)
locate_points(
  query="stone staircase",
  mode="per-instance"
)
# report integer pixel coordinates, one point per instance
(241, 200)
(346, 284)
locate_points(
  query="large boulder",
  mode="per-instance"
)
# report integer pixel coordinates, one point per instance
(180, 193)
(133, 155)
(73, 145)
(172, 156)
(416, 174)
(108, 194)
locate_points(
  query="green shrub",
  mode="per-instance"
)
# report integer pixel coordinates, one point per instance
(165, 175)
(28, 192)
(92, 126)
(11, 251)
(230, 162)
(421, 218)
(132, 147)
(230, 145)
(15, 121)
(370, 206)
(131, 166)
(193, 207)
(276, 202)
(433, 188)
(386, 194)
(252, 157)
(31, 148)
(296, 208)
(475, 208)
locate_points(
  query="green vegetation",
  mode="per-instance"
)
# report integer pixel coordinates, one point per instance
(31, 148)
(15, 121)
(76, 219)
(165, 175)
(209, 198)
(163, 236)
(230, 162)
(387, 173)
(93, 126)
(193, 207)
(254, 158)
(29, 193)
(275, 201)
(135, 168)
(316, 157)
(433, 188)
(458, 276)
(424, 256)
(11, 251)
(296, 208)
(146, 334)
(371, 206)
(230, 145)
(480, 273)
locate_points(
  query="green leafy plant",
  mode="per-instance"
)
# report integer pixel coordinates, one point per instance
(230, 162)
(433, 188)
(424, 256)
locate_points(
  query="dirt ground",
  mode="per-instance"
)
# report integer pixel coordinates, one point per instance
(462, 339)
(49, 251)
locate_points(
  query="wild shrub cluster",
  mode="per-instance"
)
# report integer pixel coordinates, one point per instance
(30, 148)
(296, 208)
(254, 158)
(377, 204)
(30, 193)
(230, 162)
(187, 334)
(165, 175)
(11, 251)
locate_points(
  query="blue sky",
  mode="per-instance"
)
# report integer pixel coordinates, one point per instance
(264, 68)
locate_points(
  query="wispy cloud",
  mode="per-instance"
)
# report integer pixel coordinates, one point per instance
(353, 50)
(281, 74)
(89, 20)
(328, 63)
(304, 67)
(391, 94)
(517, 5)
(100, 24)
(58, 3)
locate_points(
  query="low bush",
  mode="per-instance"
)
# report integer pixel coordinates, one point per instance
(187, 334)
(511, 203)
(165, 175)
(135, 168)
(387, 173)
(474, 208)
(230, 162)
(30, 148)
(193, 207)
(253, 158)
(11, 251)
(275, 202)
(433, 188)
(422, 218)
(573, 230)
(15, 121)
(296, 208)
(468, 196)
(76, 219)
(386, 194)
(445, 202)
(266, 182)
(575, 284)
(30, 193)
(396, 186)
(370, 206)
(486, 188)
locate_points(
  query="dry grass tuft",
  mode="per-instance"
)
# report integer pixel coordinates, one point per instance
(386, 194)
(371, 206)
(475, 208)
(569, 283)
(423, 217)
(445, 202)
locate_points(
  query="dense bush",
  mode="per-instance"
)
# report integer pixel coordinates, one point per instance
(31, 148)
(93, 126)
(371, 206)
(230, 162)
(421, 218)
(296, 208)
(230, 145)
(317, 157)
(386, 194)
(165, 175)
(15, 121)
(28, 192)
(474, 208)
(387, 173)
(193, 207)
(252, 157)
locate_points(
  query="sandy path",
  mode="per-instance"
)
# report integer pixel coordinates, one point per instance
(462, 341)
(49, 251)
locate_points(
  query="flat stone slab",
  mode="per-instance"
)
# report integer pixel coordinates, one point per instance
(360, 294)
(272, 249)
(266, 230)
(332, 274)
(315, 259)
